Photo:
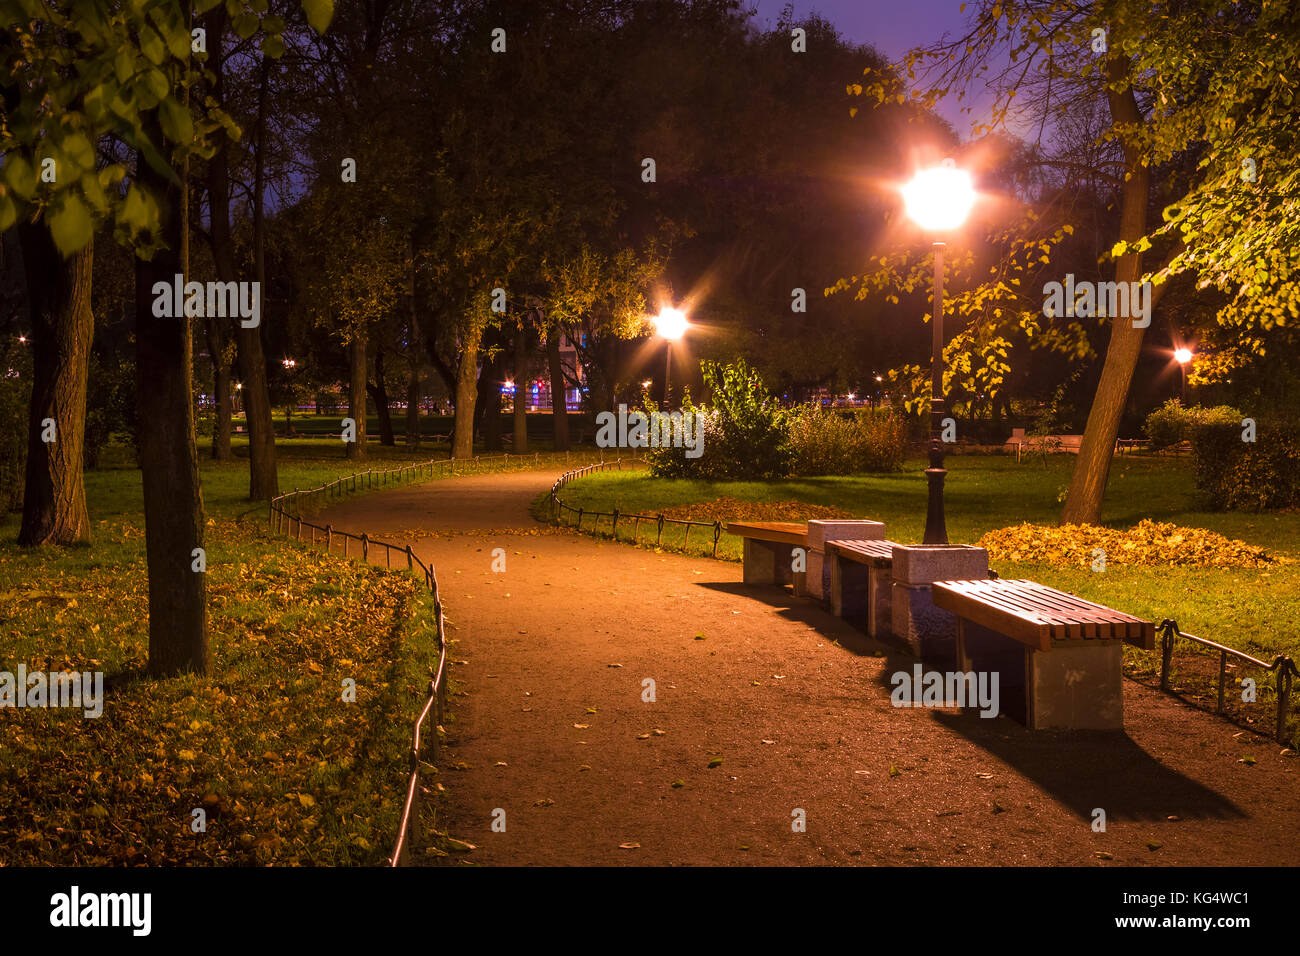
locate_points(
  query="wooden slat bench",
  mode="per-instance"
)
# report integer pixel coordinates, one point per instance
(1060, 653)
(862, 581)
(768, 549)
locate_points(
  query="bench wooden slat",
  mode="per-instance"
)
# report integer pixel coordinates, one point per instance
(994, 611)
(779, 532)
(1036, 614)
(864, 552)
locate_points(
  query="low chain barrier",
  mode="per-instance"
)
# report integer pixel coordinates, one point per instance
(283, 519)
(1282, 665)
(560, 511)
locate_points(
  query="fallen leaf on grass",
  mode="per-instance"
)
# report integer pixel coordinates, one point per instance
(715, 762)
(629, 846)
(894, 771)
(459, 846)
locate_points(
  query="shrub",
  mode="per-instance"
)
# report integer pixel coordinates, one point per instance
(1171, 423)
(110, 407)
(1237, 475)
(671, 462)
(743, 431)
(824, 442)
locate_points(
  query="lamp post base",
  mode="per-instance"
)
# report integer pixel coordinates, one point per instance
(936, 532)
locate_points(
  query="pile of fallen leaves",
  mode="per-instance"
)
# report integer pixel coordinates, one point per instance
(1148, 543)
(729, 509)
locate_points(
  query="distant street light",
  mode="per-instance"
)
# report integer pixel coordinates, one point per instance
(670, 325)
(938, 200)
(1183, 356)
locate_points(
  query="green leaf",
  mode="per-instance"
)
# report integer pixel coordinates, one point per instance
(78, 150)
(70, 225)
(8, 212)
(20, 176)
(273, 46)
(152, 46)
(177, 124)
(246, 25)
(319, 13)
(139, 211)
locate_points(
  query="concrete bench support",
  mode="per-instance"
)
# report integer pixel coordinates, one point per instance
(819, 532)
(927, 631)
(767, 562)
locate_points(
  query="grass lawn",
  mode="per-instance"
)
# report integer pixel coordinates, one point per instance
(284, 769)
(1254, 611)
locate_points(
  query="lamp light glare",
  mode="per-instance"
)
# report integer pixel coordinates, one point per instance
(939, 199)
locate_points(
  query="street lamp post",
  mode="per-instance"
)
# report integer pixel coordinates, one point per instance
(938, 200)
(671, 324)
(1182, 356)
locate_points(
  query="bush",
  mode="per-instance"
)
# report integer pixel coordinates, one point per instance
(824, 442)
(1171, 423)
(110, 407)
(743, 431)
(1237, 475)
(15, 397)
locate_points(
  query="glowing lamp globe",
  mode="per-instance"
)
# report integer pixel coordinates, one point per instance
(1182, 356)
(939, 199)
(671, 324)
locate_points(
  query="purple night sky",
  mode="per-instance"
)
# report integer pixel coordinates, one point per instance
(893, 27)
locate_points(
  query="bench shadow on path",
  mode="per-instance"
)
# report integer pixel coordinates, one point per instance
(1081, 769)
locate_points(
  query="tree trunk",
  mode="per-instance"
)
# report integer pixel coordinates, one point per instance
(466, 384)
(379, 392)
(488, 404)
(521, 390)
(173, 501)
(357, 394)
(263, 482)
(215, 333)
(412, 351)
(1092, 469)
(559, 409)
(413, 409)
(58, 289)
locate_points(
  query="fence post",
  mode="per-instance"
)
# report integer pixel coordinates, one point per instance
(329, 536)
(579, 519)
(365, 547)
(1166, 651)
(410, 559)
(1223, 679)
(717, 533)
(1285, 669)
(659, 535)
(613, 533)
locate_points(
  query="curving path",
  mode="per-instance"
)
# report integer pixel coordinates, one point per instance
(553, 729)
